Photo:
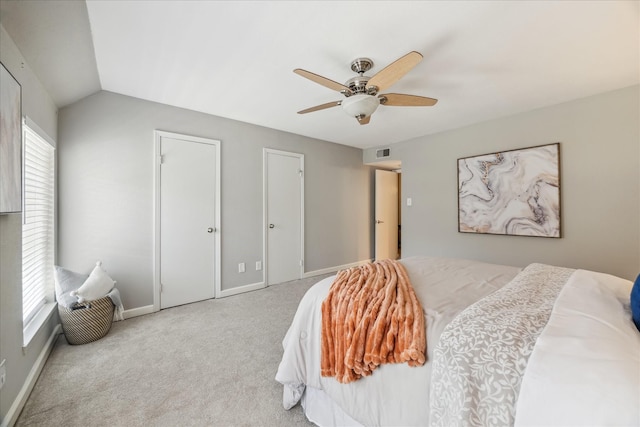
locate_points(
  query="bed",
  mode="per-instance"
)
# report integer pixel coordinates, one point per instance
(542, 345)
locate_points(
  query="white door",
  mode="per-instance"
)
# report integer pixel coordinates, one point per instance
(188, 219)
(386, 214)
(284, 193)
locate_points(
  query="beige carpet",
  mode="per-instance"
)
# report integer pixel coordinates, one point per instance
(210, 363)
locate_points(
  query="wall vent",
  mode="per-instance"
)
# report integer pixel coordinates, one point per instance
(383, 153)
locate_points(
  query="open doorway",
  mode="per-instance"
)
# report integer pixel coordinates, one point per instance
(387, 214)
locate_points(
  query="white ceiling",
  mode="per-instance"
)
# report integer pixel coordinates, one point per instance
(482, 59)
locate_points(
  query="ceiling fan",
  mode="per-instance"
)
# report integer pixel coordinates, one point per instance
(361, 92)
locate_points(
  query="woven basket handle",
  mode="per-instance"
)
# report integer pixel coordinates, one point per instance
(81, 306)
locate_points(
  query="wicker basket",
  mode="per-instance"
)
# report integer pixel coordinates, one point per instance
(88, 321)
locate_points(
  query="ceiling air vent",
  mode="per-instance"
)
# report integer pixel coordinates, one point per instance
(383, 153)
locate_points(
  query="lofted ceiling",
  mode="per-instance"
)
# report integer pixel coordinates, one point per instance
(235, 59)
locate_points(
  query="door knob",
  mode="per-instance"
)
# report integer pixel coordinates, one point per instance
(210, 230)
(379, 222)
(272, 226)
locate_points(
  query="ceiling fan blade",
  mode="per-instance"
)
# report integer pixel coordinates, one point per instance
(401, 100)
(320, 107)
(322, 80)
(365, 120)
(394, 71)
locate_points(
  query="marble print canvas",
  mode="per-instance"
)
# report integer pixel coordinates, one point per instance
(514, 192)
(10, 143)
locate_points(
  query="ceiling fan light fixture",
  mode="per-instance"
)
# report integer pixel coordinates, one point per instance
(360, 105)
(361, 92)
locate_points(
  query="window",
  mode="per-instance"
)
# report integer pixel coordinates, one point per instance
(38, 224)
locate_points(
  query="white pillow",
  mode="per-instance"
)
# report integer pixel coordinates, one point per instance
(97, 285)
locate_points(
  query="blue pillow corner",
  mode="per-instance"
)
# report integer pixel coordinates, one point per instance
(635, 302)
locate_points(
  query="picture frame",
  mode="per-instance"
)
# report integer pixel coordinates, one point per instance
(10, 143)
(512, 192)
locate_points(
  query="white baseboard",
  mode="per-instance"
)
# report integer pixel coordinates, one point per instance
(334, 269)
(148, 309)
(18, 404)
(139, 311)
(241, 289)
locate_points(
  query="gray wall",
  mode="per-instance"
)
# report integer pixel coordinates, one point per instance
(600, 186)
(37, 104)
(106, 192)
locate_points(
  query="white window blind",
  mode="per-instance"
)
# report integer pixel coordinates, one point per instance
(38, 224)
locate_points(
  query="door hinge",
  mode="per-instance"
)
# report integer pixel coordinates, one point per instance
(161, 287)
(301, 263)
(301, 173)
(160, 159)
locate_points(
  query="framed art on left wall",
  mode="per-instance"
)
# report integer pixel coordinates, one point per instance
(10, 143)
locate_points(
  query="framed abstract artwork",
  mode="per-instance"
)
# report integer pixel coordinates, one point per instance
(515, 192)
(10, 143)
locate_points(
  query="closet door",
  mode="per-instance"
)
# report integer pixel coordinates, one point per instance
(188, 219)
(284, 215)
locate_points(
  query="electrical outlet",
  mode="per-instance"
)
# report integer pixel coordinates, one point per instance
(3, 374)
(241, 267)
(258, 265)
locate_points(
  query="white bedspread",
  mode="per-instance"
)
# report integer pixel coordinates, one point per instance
(395, 394)
(585, 367)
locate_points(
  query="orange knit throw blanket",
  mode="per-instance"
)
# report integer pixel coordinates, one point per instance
(371, 316)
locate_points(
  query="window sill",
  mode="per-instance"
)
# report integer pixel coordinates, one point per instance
(36, 323)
